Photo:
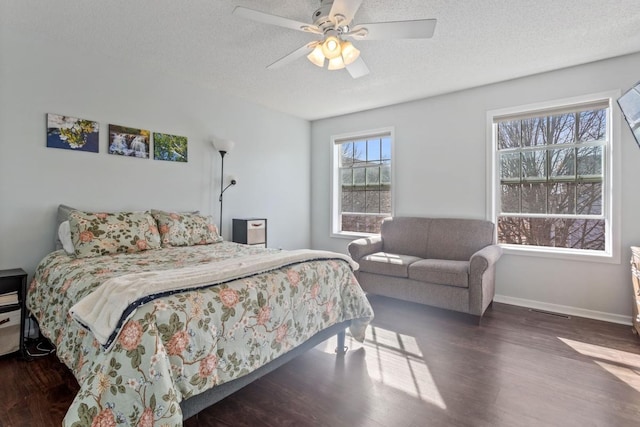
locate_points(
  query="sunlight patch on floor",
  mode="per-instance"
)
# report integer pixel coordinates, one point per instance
(622, 364)
(394, 360)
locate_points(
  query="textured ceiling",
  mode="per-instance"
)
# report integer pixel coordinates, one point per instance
(476, 42)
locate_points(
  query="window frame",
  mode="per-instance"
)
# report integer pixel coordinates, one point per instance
(611, 176)
(336, 201)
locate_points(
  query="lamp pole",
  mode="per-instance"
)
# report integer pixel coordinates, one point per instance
(222, 153)
(223, 146)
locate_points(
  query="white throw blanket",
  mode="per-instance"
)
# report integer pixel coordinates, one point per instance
(103, 311)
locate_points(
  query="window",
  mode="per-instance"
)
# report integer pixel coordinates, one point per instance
(552, 177)
(362, 179)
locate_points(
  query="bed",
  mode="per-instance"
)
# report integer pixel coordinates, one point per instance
(154, 332)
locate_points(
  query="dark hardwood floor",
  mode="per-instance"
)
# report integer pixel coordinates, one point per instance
(418, 367)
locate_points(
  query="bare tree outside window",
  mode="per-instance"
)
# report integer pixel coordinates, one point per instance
(551, 171)
(365, 183)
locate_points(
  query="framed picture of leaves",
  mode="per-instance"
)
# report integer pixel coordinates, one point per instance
(169, 147)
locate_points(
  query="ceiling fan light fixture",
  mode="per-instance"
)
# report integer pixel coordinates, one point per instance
(349, 52)
(331, 47)
(336, 63)
(316, 56)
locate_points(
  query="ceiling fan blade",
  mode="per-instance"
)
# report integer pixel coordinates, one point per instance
(418, 29)
(346, 8)
(298, 53)
(267, 18)
(358, 68)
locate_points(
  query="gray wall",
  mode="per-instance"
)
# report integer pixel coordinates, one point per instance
(270, 160)
(441, 171)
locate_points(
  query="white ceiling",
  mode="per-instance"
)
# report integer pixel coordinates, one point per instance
(476, 42)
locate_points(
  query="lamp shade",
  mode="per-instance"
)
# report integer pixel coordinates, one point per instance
(225, 145)
(336, 63)
(331, 47)
(349, 52)
(316, 56)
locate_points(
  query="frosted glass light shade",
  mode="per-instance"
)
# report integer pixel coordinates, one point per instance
(316, 56)
(336, 63)
(225, 145)
(331, 47)
(349, 52)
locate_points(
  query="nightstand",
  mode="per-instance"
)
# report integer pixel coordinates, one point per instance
(250, 231)
(13, 290)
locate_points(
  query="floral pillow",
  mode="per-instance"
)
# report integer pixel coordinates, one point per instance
(96, 234)
(185, 229)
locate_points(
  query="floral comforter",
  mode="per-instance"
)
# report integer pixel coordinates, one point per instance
(181, 345)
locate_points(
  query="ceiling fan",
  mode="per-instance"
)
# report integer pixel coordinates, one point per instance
(332, 22)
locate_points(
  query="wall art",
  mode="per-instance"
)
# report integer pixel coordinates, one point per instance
(126, 141)
(72, 133)
(169, 147)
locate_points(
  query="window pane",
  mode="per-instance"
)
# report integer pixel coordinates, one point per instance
(510, 230)
(589, 198)
(347, 200)
(359, 201)
(592, 125)
(346, 177)
(552, 232)
(533, 132)
(373, 150)
(562, 163)
(587, 234)
(352, 222)
(534, 198)
(509, 166)
(385, 174)
(560, 129)
(359, 151)
(362, 223)
(590, 161)
(373, 202)
(385, 201)
(562, 198)
(509, 134)
(510, 198)
(346, 154)
(373, 176)
(359, 176)
(534, 164)
(386, 148)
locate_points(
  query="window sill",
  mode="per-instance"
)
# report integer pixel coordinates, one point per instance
(569, 255)
(352, 235)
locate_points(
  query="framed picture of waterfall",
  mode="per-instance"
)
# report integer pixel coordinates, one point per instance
(169, 147)
(126, 141)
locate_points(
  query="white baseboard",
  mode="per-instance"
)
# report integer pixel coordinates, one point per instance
(564, 309)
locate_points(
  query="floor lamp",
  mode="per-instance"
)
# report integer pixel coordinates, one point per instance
(223, 146)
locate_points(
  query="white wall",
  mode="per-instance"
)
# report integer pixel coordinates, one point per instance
(270, 160)
(440, 156)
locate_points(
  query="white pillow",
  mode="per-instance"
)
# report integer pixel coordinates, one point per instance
(64, 234)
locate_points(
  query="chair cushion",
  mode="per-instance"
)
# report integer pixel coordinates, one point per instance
(387, 264)
(441, 272)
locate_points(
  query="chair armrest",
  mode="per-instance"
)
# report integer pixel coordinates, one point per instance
(482, 260)
(365, 246)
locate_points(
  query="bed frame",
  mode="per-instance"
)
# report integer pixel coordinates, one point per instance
(199, 402)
